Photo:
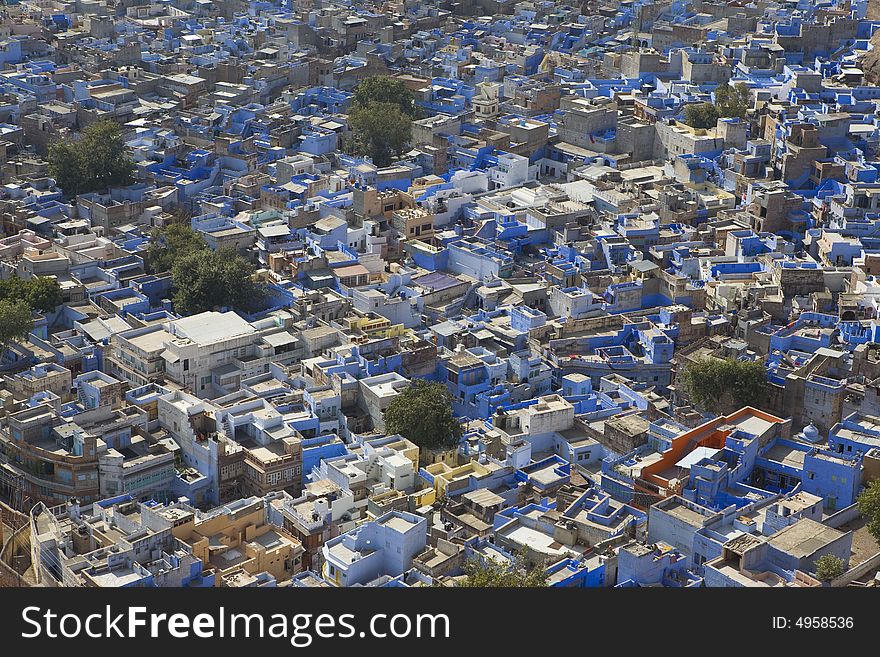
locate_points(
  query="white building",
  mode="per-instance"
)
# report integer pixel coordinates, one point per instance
(511, 170)
(385, 546)
(376, 393)
(201, 343)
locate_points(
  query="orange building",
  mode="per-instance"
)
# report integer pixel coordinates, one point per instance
(662, 476)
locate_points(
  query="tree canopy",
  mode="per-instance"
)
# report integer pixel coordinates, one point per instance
(701, 115)
(41, 293)
(380, 130)
(169, 244)
(731, 101)
(380, 117)
(489, 573)
(869, 507)
(422, 413)
(16, 321)
(384, 89)
(95, 162)
(828, 567)
(206, 280)
(722, 386)
(18, 300)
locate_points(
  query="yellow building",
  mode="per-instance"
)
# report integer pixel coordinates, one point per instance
(375, 326)
(448, 479)
(424, 497)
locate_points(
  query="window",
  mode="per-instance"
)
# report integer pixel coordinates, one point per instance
(186, 364)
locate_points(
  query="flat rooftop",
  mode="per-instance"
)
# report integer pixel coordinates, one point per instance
(753, 424)
(786, 455)
(398, 523)
(804, 538)
(116, 577)
(684, 513)
(209, 327)
(344, 553)
(152, 341)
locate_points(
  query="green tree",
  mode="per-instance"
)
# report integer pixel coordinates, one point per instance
(40, 292)
(379, 130)
(701, 115)
(722, 386)
(489, 573)
(384, 89)
(67, 166)
(869, 507)
(13, 288)
(422, 413)
(206, 280)
(16, 321)
(170, 243)
(828, 567)
(732, 100)
(44, 293)
(97, 161)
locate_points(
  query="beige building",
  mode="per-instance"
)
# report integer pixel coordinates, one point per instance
(46, 377)
(237, 538)
(676, 138)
